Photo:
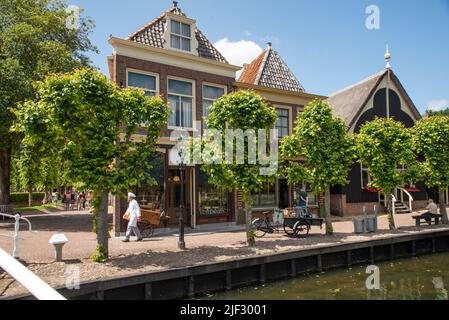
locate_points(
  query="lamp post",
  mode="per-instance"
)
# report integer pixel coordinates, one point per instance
(182, 166)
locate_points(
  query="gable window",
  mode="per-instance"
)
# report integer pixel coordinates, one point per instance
(180, 97)
(143, 81)
(282, 123)
(210, 94)
(180, 36)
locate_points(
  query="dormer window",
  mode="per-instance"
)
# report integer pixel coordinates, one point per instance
(180, 36)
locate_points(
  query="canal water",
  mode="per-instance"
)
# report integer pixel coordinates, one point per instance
(421, 278)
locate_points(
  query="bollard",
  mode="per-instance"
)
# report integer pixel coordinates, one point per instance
(58, 240)
(15, 252)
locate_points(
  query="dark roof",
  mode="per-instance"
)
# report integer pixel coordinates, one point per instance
(269, 70)
(349, 102)
(152, 34)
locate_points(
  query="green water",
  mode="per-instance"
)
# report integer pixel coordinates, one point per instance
(422, 278)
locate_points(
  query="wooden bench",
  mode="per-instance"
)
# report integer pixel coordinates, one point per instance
(435, 217)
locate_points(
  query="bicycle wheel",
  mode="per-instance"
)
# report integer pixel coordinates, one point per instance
(301, 228)
(261, 227)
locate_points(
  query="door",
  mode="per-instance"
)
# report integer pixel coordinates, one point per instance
(174, 196)
(283, 194)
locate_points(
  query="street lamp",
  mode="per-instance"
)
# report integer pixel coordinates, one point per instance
(182, 167)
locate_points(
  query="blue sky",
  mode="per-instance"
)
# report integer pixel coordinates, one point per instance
(325, 42)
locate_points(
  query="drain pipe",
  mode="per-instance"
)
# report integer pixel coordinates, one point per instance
(28, 279)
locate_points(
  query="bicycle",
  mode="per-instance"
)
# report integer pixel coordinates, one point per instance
(266, 225)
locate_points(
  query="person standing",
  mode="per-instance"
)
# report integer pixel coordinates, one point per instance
(133, 213)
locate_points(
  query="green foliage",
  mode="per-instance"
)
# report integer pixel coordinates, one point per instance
(244, 110)
(329, 229)
(444, 112)
(22, 197)
(431, 140)
(321, 141)
(384, 146)
(89, 122)
(34, 42)
(101, 255)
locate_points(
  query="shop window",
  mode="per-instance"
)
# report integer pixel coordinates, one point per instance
(212, 200)
(266, 197)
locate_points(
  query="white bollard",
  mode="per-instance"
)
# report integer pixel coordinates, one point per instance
(58, 240)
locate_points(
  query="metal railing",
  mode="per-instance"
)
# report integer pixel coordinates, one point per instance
(17, 218)
(393, 202)
(28, 279)
(410, 198)
(19, 272)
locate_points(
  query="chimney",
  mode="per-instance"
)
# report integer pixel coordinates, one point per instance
(175, 4)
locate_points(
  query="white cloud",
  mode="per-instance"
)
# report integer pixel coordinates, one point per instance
(239, 52)
(248, 33)
(438, 105)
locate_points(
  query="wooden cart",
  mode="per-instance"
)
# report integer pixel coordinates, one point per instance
(149, 219)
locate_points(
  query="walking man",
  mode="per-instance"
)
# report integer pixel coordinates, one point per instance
(133, 213)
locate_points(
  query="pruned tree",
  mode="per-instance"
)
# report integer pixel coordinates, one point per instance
(431, 140)
(319, 152)
(245, 112)
(384, 146)
(89, 123)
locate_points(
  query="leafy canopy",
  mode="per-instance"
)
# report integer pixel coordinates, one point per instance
(384, 146)
(35, 41)
(88, 122)
(431, 140)
(322, 143)
(244, 110)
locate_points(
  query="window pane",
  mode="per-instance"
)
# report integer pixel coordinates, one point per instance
(213, 93)
(186, 112)
(174, 109)
(175, 42)
(282, 112)
(206, 107)
(185, 44)
(180, 87)
(141, 81)
(150, 94)
(186, 30)
(175, 27)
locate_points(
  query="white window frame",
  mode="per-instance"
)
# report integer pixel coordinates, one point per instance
(181, 36)
(156, 75)
(290, 117)
(209, 84)
(194, 107)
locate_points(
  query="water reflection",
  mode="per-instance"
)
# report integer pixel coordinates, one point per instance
(422, 278)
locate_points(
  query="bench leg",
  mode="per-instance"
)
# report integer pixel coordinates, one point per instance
(418, 222)
(437, 221)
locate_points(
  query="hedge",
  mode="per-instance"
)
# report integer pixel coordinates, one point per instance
(22, 197)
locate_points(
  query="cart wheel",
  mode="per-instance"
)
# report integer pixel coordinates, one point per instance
(148, 232)
(261, 227)
(301, 229)
(289, 230)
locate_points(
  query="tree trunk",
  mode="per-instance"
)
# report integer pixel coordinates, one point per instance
(5, 172)
(327, 205)
(30, 196)
(102, 223)
(443, 210)
(322, 205)
(390, 204)
(248, 217)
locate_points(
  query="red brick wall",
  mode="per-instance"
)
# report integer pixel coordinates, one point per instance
(164, 71)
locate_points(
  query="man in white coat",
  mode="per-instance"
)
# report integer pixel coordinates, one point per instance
(133, 213)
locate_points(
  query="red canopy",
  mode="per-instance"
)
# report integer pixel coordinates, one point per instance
(373, 190)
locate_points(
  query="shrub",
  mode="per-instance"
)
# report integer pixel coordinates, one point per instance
(22, 197)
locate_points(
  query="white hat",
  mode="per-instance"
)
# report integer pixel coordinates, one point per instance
(132, 195)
